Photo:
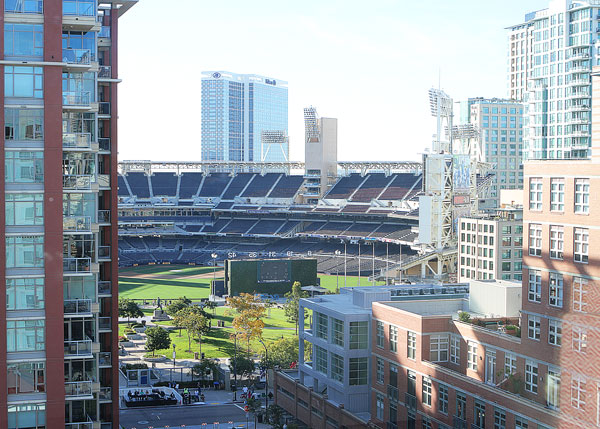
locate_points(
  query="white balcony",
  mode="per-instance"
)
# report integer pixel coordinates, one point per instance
(76, 390)
(77, 265)
(77, 224)
(78, 349)
(77, 141)
(77, 182)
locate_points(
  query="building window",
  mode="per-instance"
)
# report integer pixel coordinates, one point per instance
(25, 335)
(26, 377)
(557, 195)
(521, 423)
(426, 385)
(557, 236)
(443, 399)
(499, 419)
(393, 413)
(556, 290)
(533, 327)
(438, 348)
(581, 245)
(425, 423)
(535, 193)
(24, 209)
(23, 82)
(510, 364)
(337, 367)
(24, 251)
(472, 355)
(23, 40)
(337, 332)
(535, 239)
(380, 334)
(479, 414)
(358, 371)
(320, 359)
(24, 167)
(321, 323)
(25, 294)
(380, 406)
(359, 335)
(580, 286)
(578, 387)
(579, 339)
(582, 196)
(531, 376)
(393, 338)
(554, 332)
(455, 349)
(30, 416)
(411, 345)
(535, 286)
(393, 375)
(380, 371)
(553, 390)
(461, 405)
(23, 124)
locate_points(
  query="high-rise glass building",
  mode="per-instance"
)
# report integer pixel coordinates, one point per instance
(58, 262)
(244, 118)
(550, 56)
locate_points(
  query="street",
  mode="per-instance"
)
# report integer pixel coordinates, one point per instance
(183, 416)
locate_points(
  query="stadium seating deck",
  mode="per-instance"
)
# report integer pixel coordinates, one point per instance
(238, 183)
(266, 227)
(287, 187)
(375, 184)
(345, 187)
(138, 182)
(239, 226)
(261, 185)
(164, 184)
(189, 184)
(218, 225)
(123, 191)
(400, 186)
(214, 184)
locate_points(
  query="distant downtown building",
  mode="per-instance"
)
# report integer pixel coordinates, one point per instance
(550, 56)
(244, 118)
(499, 142)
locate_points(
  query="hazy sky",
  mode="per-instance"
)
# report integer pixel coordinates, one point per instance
(368, 63)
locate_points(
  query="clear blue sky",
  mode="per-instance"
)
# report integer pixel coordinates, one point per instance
(369, 64)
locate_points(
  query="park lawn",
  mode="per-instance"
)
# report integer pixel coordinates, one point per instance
(136, 288)
(330, 282)
(277, 319)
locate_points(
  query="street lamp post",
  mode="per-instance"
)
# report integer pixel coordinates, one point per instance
(266, 374)
(235, 366)
(174, 355)
(345, 259)
(337, 269)
(214, 257)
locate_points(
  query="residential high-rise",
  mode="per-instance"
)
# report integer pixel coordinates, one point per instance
(550, 59)
(58, 214)
(244, 118)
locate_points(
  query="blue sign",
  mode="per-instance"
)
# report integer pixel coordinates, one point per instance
(216, 75)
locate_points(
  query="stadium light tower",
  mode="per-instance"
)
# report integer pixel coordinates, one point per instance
(214, 257)
(441, 107)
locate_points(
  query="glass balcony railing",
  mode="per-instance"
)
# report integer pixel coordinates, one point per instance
(78, 388)
(104, 143)
(104, 323)
(103, 216)
(105, 72)
(24, 6)
(104, 108)
(77, 140)
(104, 287)
(78, 348)
(76, 98)
(77, 306)
(104, 359)
(77, 224)
(80, 7)
(87, 424)
(104, 252)
(104, 32)
(105, 394)
(103, 180)
(77, 182)
(77, 56)
(77, 265)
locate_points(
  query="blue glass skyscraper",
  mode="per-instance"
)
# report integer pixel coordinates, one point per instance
(244, 118)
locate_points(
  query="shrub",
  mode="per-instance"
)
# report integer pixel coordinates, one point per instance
(134, 366)
(463, 316)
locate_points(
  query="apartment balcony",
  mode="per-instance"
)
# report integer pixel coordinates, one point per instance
(577, 121)
(77, 100)
(28, 7)
(104, 359)
(579, 43)
(104, 324)
(77, 265)
(580, 56)
(105, 394)
(77, 182)
(104, 217)
(78, 58)
(313, 185)
(578, 96)
(104, 144)
(579, 68)
(410, 401)
(77, 224)
(78, 349)
(459, 423)
(579, 82)
(76, 390)
(103, 181)
(104, 288)
(88, 424)
(579, 134)
(80, 308)
(77, 141)
(81, 15)
(393, 394)
(578, 108)
(105, 73)
(104, 253)
(580, 144)
(104, 109)
(104, 32)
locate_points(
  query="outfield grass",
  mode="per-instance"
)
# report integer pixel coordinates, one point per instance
(331, 281)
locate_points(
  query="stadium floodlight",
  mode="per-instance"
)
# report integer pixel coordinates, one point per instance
(440, 103)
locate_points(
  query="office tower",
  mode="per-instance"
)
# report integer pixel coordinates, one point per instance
(58, 214)
(244, 118)
(498, 140)
(320, 154)
(550, 60)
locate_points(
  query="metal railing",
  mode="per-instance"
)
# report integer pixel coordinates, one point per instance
(76, 98)
(88, 424)
(103, 252)
(103, 180)
(77, 56)
(104, 143)
(77, 265)
(104, 323)
(105, 394)
(105, 72)
(77, 306)
(104, 287)
(77, 182)
(104, 32)
(104, 359)
(459, 423)
(103, 216)
(30, 6)
(78, 388)
(78, 348)
(410, 401)
(77, 223)
(392, 393)
(104, 108)
(77, 140)
(80, 7)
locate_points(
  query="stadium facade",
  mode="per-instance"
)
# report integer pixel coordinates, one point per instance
(58, 214)
(244, 118)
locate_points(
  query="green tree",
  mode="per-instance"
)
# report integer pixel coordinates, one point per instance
(195, 322)
(248, 322)
(128, 308)
(178, 304)
(282, 352)
(243, 365)
(275, 416)
(211, 305)
(254, 407)
(157, 338)
(203, 368)
(292, 305)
